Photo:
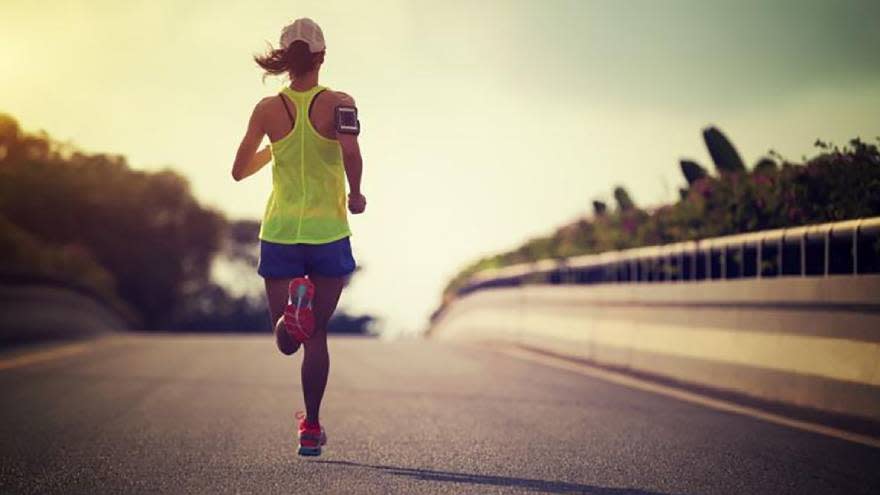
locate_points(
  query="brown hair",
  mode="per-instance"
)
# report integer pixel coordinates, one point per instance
(296, 59)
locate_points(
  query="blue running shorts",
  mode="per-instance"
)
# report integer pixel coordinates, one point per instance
(333, 259)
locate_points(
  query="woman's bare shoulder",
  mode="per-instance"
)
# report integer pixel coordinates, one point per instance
(265, 103)
(341, 98)
(267, 108)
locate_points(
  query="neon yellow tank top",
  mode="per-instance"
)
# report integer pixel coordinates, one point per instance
(307, 204)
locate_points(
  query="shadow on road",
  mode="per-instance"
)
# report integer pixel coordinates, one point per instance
(479, 479)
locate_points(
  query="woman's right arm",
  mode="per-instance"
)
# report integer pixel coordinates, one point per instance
(248, 161)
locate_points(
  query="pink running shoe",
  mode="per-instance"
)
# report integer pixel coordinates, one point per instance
(298, 317)
(311, 437)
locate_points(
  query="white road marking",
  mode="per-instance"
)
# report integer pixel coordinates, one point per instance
(43, 356)
(684, 395)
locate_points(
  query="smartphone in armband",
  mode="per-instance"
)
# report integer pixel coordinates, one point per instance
(347, 120)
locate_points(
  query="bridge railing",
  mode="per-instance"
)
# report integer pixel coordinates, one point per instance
(787, 316)
(840, 248)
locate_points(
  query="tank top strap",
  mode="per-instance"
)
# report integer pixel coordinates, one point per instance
(303, 99)
(310, 100)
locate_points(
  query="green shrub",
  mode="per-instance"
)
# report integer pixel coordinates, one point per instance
(837, 184)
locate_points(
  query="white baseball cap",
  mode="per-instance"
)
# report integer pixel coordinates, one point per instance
(303, 29)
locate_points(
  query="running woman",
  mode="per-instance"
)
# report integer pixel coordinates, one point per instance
(305, 254)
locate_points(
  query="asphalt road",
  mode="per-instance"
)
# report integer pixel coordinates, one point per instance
(174, 414)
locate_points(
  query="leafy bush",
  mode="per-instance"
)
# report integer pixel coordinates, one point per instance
(836, 184)
(26, 259)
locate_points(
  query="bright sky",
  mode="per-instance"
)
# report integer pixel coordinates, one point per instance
(485, 123)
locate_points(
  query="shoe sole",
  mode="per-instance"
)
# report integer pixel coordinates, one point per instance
(313, 451)
(309, 451)
(298, 317)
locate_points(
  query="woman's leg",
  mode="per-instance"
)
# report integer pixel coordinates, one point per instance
(316, 362)
(276, 293)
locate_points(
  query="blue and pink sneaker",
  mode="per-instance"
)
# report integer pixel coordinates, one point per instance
(311, 437)
(298, 316)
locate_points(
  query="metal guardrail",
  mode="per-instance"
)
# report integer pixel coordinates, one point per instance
(850, 247)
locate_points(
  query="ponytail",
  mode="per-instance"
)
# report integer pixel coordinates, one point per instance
(296, 60)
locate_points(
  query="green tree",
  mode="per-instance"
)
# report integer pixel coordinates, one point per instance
(144, 228)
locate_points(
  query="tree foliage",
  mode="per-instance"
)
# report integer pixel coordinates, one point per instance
(141, 235)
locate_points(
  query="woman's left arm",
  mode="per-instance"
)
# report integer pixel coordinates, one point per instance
(248, 161)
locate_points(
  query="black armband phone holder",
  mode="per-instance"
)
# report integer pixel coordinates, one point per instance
(347, 120)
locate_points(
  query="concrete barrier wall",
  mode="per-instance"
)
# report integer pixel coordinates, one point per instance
(35, 313)
(811, 342)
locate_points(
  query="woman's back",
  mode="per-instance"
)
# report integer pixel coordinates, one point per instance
(277, 123)
(307, 204)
